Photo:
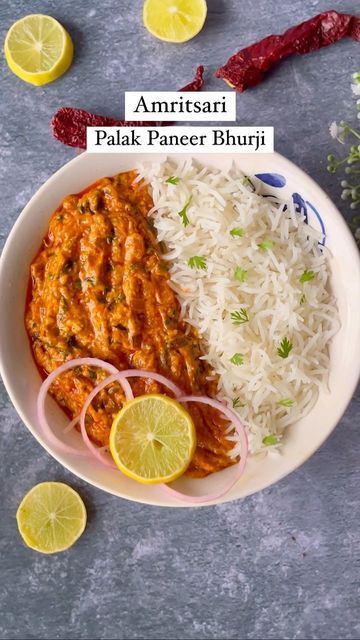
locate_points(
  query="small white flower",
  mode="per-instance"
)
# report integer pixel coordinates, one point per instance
(356, 89)
(334, 130)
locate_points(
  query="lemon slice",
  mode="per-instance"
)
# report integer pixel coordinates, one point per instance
(38, 49)
(51, 517)
(174, 20)
(152, 439)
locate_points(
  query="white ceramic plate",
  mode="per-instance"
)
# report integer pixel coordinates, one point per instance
(22, 379)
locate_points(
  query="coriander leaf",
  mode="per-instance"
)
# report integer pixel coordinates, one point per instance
(90, 280)
(78, 284)
(286, 402)
(239, 317)
(172, 180)
(240, 274)
(197, 262)
(182, 213)
(247, 182)
(237, 359)
(83, 207)
(236, 403)
(269, 440)
(307, 276)
(266, 244)
(285, 348)
(92, 374)
(237, 232)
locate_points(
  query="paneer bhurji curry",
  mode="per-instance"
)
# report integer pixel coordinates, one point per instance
(99, 287)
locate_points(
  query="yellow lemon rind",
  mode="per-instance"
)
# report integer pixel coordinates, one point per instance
(42, 77)
(147, 25)
(158, 480)
(29, 541)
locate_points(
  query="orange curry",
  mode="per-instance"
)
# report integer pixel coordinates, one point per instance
(100, 288)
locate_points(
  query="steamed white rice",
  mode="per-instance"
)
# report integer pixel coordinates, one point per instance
(277, 304)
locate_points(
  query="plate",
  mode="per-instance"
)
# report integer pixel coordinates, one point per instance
(22, 379)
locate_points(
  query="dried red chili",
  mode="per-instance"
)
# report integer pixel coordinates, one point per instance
(248, 66)
(198, 81)
(69, 125)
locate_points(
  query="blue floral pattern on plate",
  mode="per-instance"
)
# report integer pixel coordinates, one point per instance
(272, 179)
(300, 205)
(320, 221)
(278, 181)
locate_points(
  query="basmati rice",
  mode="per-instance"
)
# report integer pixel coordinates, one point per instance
(277, 304)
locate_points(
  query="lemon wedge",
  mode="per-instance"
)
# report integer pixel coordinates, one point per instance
(174, 20)
(38, 49)
(152, 439)
(51, 517)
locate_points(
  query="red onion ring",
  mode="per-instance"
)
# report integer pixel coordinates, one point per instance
(71, 425)
(94, 362)
(116, 377)
(121, 377)
(142, 373)
(234, 418)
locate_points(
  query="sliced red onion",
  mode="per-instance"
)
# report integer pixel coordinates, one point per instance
(121, 377)
(239, 467)
(141, 373)
(96, 452)
(71, 425)
(77, 362)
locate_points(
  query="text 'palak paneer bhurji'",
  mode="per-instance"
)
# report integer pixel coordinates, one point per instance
(100, 288)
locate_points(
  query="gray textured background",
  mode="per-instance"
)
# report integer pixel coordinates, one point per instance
(281, 564)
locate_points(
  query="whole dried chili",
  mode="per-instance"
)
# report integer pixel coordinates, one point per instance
(248, 66)
(69, 124)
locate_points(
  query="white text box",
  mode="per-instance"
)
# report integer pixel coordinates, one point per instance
(174, 106)
(180, 139)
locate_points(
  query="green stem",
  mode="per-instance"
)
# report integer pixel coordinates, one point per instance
(347, 128)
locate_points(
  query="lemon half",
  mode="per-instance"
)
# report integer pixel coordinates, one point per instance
(152, 439)
(174, 20)
(51, 517)
(38, 49)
